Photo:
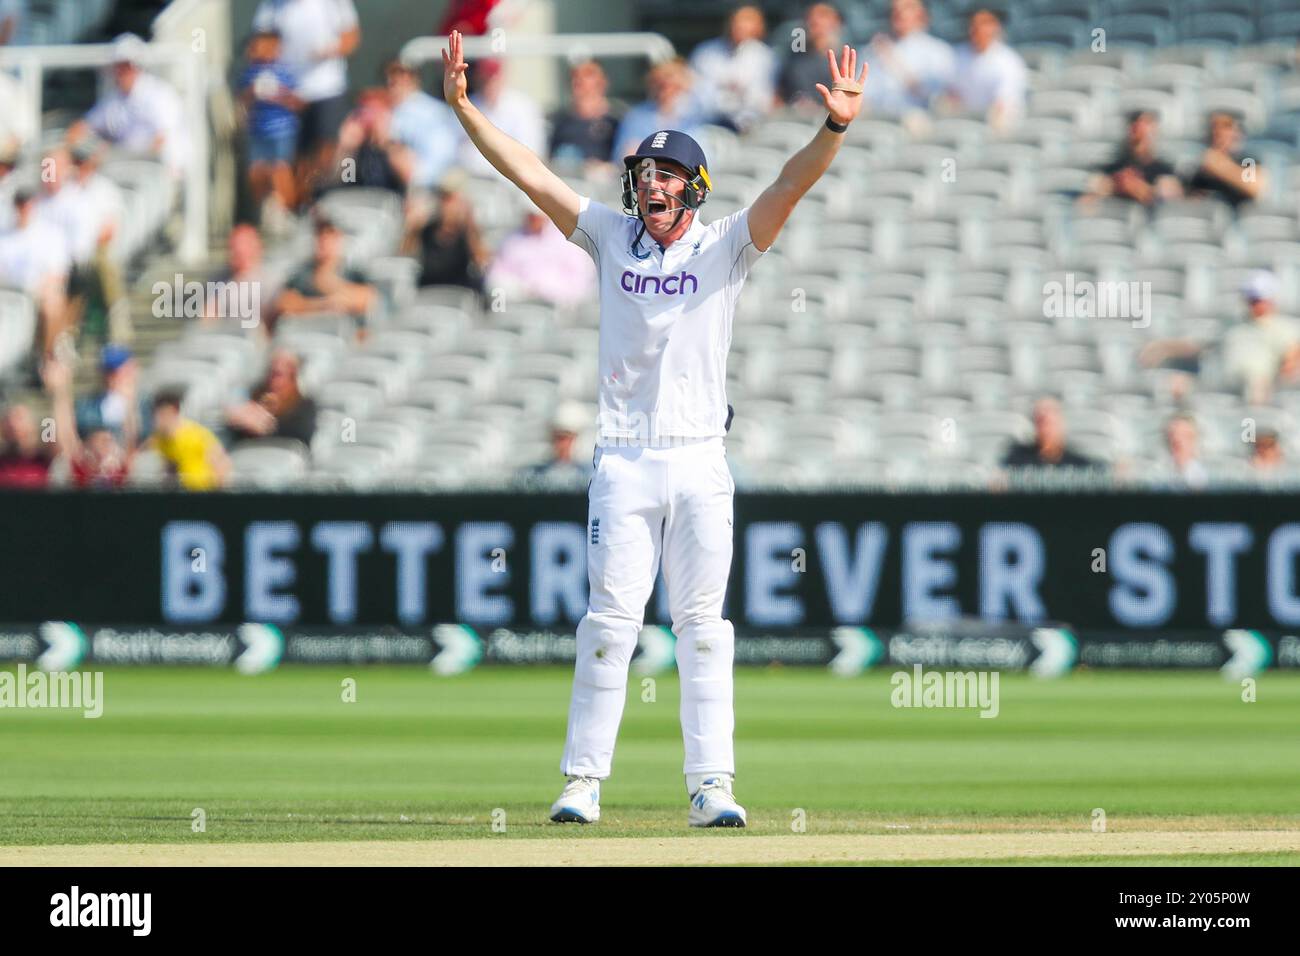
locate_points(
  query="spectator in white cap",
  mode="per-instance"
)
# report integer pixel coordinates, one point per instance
(1265, 349)
(566, 465)
(139, 112)
(1256, 355)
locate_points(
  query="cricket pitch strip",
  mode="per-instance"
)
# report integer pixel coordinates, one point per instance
(721, 848)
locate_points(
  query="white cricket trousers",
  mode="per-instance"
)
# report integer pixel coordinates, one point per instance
(647, 508)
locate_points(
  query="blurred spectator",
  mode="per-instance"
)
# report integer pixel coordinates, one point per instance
(138, 112)
(1223, 172)
(192, 453)
(325, 284)
(671, 105)
(99, 266)
(565, 466)
(910, 67)
(1259, 352)
(468, 16)
(737, 71)
(98, 461)
(422, 124)
(449, 246)
(1256, 354)
(34, 259)
(991, 78)
(537, 262)
(11, 20)
(317, 37)
(1137, 172)
(367, 154)
(1183, 445)
(805, 66)
(24, 457)
(244, 265)
(1266, 456)
(584, 132)
(511, 111)
(1049, 448)
(278, 409)
(9, 184)
(118, 405)
(17, 121)
(86, 209)
(266, 92)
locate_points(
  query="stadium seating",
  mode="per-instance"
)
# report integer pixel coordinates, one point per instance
(61, 21)
(928, 312)
(911, 356)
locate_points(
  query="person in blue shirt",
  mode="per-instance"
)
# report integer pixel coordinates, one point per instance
(671, 104)
(424, 125)
(267, 92)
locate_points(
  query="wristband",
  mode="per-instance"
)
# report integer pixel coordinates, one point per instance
(835, 127)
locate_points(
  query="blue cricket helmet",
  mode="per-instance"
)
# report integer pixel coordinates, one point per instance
(670, 146)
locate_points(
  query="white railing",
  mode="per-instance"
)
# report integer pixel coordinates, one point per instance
(205, 27)
(182, 67)
(575, 47)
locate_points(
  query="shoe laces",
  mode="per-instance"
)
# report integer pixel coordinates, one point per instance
(575, 784)
(715, 783)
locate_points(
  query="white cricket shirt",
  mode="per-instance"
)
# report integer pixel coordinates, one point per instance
(665, 324)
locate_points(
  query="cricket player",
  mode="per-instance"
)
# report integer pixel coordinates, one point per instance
(660, 497)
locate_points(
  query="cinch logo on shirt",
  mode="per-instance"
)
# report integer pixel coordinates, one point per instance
(655, 285)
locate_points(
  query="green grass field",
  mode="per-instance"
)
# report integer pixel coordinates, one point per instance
(282, 758)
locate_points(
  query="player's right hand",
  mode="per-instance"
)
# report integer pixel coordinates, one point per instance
(455, 84)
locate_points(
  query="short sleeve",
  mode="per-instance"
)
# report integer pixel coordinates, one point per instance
(347, 15)
(96, 118)
(735, 232)
(1011, 84)
(596, 224)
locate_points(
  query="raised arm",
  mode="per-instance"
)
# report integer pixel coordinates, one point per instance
(508, 156)
(843, 101)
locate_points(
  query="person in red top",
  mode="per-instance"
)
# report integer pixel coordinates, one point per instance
(24, 458)
(467, 16)
(98, 460)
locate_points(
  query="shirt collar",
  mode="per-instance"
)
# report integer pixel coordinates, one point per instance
(692, 234)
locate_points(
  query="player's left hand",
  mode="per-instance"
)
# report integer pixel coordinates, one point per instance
(844, 97)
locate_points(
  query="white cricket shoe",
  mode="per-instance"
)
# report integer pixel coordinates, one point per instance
(579, 803)
(713, 805)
